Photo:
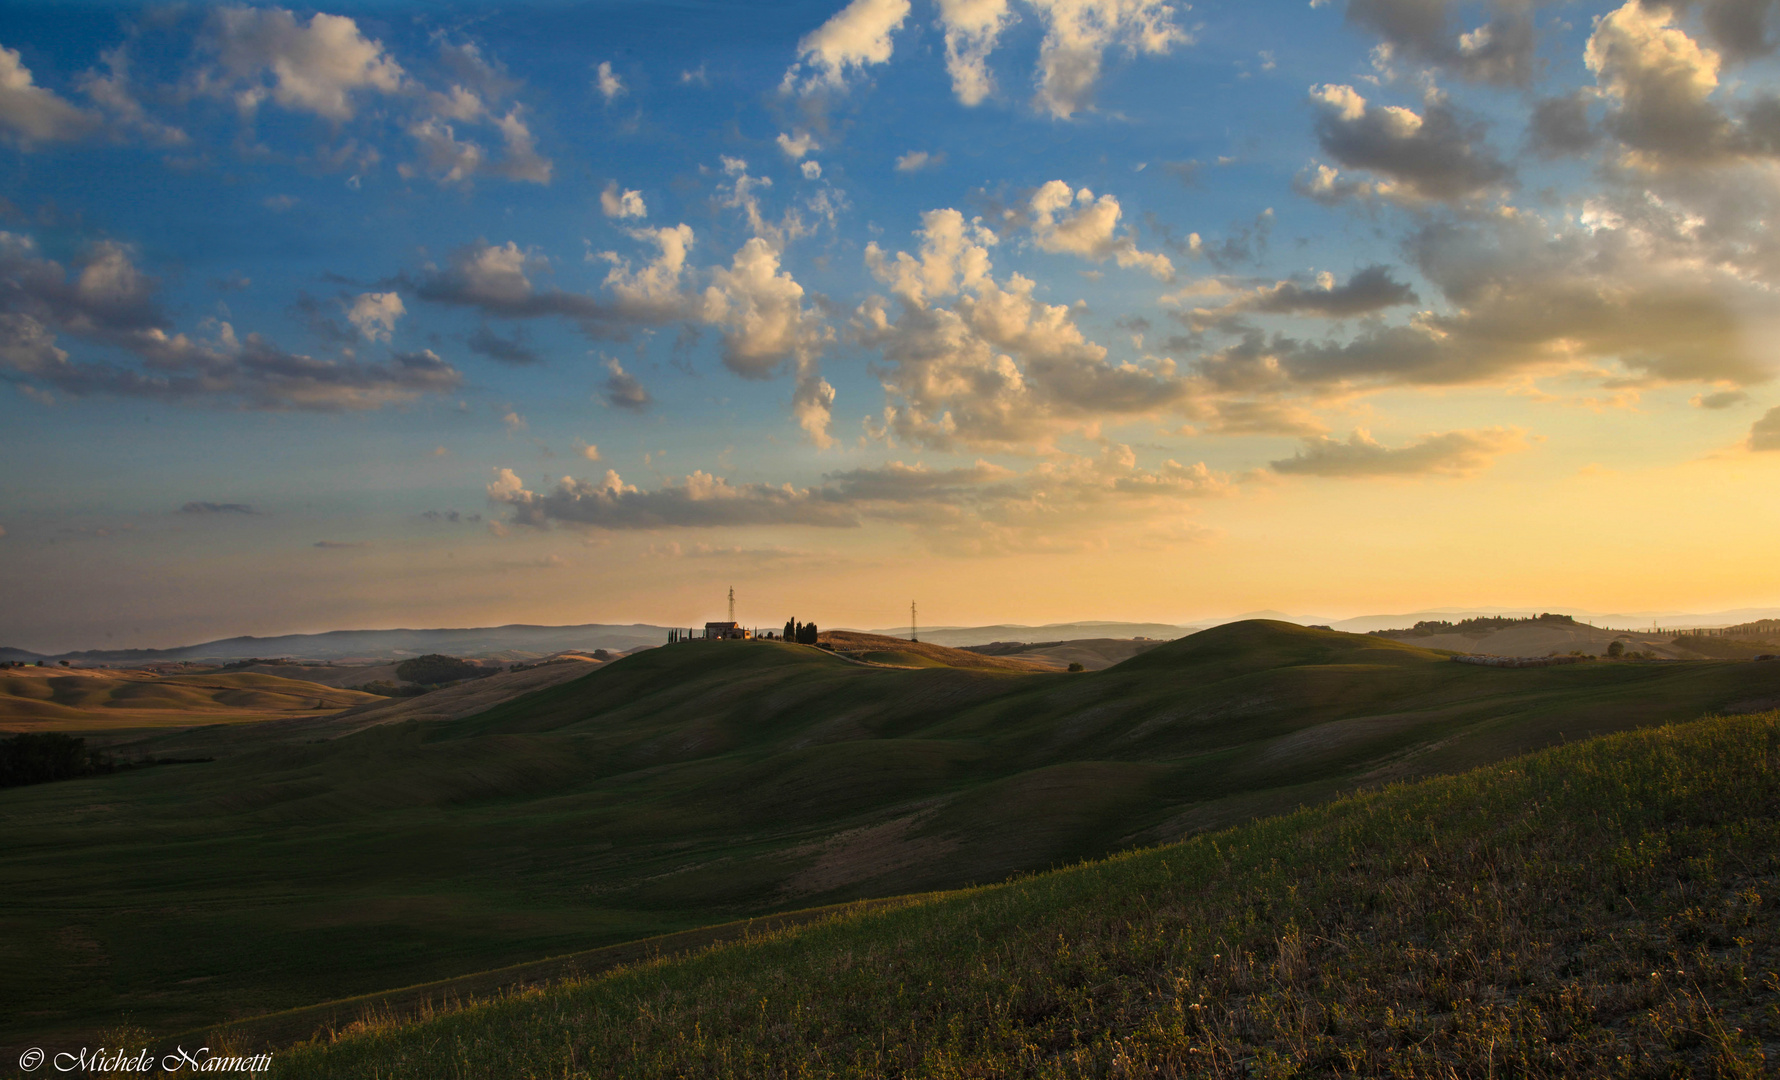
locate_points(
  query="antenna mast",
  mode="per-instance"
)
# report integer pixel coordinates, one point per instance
(732, 603)
(912, 635)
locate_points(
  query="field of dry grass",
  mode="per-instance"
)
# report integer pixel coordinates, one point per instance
(107, 701)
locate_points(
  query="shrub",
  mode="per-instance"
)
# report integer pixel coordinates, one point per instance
(39, 757)
(433, 668)
(1075, 665)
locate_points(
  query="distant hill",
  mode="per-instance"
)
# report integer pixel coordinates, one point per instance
(960, 636)
(901, 652)
(515, 642)
(1094, 654)
(93, 702)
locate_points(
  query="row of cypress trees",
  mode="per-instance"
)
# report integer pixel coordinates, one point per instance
(802, 633)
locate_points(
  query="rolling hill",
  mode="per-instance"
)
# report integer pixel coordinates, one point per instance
(686, 786)
(1597, 909)
(520, 640)
(113, 702)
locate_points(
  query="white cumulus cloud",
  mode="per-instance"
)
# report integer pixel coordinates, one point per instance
(1077, 223)
(616, 203)
(856, 37)
(375, 314)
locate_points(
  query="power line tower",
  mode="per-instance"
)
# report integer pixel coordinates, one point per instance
(732, 603)
(912, 635)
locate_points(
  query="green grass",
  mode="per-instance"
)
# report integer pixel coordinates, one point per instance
(684, 787)
(1605, 909)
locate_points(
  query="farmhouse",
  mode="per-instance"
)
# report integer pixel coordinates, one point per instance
(727, 630)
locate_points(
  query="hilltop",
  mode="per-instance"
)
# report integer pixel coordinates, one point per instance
(687, 786)
(901, 652)
(1596, 909)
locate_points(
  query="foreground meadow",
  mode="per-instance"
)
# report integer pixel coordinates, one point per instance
(1605, 908)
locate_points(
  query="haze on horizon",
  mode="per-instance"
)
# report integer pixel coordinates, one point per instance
(1030, 310)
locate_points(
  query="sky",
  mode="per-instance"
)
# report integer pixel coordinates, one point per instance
(390, 314)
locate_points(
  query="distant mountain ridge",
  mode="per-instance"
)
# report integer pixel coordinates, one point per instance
(352, 644)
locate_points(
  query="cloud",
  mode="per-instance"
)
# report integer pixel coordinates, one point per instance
(513, 421)
(1659, 80)
(313, 67)
(109, 302)
(341, 545)
(31, 114)
(1453, 453)
(622, 390)
(1659, 84)
(495, 279)
(114, 94)
(997, 367)
(1738, 27)
(451, 160)
(916, 160)
(703, 501)
(1560, 126)
(375, 314)
(758, 308)
(522, 161)
(1367, 290)
(513, 350)
(1062, 492)
(856, 37)
(622, 204)
(1077, 34)
(652, 293)
(760, 311)
(1502, 51)
(607, 83)
(1078, 224)
(1764, 434)
(587, 450)
(1427, 155)
(1629, 296)
(972, 29)
(217, 508)
(812, 170)
(796, 147)
(1724, 399)
(812, 405)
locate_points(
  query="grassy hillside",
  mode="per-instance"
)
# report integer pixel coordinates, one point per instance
(901, 652)
(694, 785)
(51, 699)
(1601, 909)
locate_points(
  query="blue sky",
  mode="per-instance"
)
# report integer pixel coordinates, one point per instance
(399, 315)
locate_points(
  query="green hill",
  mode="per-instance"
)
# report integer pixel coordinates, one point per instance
(693, 785)
(1600, 909)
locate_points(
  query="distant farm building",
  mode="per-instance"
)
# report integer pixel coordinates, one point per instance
(727, 630)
